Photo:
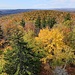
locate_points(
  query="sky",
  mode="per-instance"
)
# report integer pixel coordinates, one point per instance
(36, 4)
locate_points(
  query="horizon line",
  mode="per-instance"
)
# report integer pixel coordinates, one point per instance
(31, 8)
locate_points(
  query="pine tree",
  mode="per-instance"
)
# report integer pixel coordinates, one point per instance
(1, 33)
(2, 41)
(21, 60)
(67, 17)
(51, 22)
(22, 23)
(38, 22)
(44, 22)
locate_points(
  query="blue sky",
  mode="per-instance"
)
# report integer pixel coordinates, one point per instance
(36, 4)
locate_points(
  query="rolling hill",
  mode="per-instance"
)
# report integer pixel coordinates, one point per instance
(31, 16)
(14, 11)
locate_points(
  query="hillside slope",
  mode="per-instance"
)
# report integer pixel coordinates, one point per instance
(14, 11)
(32, 16)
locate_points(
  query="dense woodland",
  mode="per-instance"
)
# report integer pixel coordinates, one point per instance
(37, 43)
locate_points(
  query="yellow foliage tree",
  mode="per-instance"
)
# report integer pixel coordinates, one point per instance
(52, 43)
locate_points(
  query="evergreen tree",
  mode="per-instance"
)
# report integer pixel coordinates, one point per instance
(1, 33)
(44, 22)
(21, 60)
(2, 41)
(67, 17)
(48, 21)
(51, 22)
(38, 22)
(22, 23)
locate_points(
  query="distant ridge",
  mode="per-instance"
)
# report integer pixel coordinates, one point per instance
(13, 11)
(65, 9)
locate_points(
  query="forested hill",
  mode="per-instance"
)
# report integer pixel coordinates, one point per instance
(13, 11)
(32, 16)
(66, 9)
(40, 42)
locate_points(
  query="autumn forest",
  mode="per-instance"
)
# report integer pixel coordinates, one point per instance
(38, 42)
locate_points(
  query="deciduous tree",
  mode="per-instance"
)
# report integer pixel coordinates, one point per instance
(51, 43)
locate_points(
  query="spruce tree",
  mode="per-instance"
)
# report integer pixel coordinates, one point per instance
(1, 33)
(22, 23)
(67, 17)
(20, 60)
(51, 22)
(44, 22)
(38, 22)
(2, 41)
(48, 21)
